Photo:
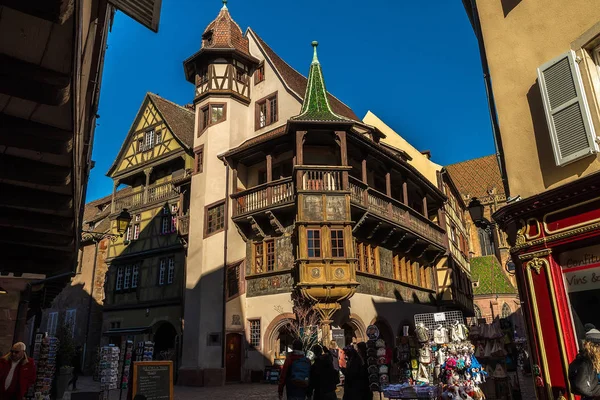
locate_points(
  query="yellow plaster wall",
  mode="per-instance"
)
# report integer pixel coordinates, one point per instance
(532, 33)
(424, 165)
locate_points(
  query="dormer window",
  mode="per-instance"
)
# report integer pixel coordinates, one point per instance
(207, 38)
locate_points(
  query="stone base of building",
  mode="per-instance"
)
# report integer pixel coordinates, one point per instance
(201, 377)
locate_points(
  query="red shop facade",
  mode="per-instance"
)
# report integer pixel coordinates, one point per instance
(555, 245)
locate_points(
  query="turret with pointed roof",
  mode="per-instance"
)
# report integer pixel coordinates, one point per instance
(315, 107)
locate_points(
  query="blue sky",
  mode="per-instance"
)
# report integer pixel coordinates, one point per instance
(415, 65)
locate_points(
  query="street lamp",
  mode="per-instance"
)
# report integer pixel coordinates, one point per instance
(123, 220)
(476, 211)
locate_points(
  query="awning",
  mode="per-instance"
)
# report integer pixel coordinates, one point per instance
(128, 331)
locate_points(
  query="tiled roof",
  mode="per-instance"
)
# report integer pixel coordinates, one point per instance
(315, 106)
(97, 211)
(297, 82)
(178, 118)
(488, 272)
(272, 134)
(226, 34)
(474, 178)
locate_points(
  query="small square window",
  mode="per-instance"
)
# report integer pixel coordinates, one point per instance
(266, 111)
(162, 271)
(198, 159)
(215, 218)
(337, 243)
(314, 242)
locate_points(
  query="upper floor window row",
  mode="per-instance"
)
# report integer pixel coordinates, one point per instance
(211, 114)
(266, 111)
(149, 139)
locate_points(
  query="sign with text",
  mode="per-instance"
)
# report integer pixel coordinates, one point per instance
(153, 379)
(581, 279)
(338, 336)
(580, 257)
(439, 317)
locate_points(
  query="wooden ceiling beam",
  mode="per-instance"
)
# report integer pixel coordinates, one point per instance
(22, 198)
(31, 82)
(25, 134)
(26, 170)
(38, 239)
(37, 222)
(57, 11)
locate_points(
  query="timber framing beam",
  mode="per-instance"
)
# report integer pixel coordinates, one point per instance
(57, 11)
(40, 201)
(31, 82)
(26, 170)
(36, 222)
(25, 134)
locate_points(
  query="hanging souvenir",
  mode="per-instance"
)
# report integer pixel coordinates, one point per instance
(480, 352)
(422, 333)
(423, 376)
(380, 343)
(381, 361)
(372, 332)
(384, 379)
(440, 335)
(498, 349)
(424, 355)
(499, 372)
(383, 369)
(380, 352)
(414, 364)
(475, 331)
(440, 356)
(373, 369)
(488, 349)
(371, 352)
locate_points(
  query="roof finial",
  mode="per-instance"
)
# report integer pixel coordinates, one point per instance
(314, 45)
(224, 5)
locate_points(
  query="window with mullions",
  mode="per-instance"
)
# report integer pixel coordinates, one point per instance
(266, 111)
(254, 325)
(233, 281)
(337, 243)
(264, 256)
(214, 218)
(313, 242)
(368, 258)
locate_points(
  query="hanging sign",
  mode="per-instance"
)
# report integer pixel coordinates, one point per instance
(439, 317)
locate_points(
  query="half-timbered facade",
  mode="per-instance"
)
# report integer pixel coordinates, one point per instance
(291, 192)
(144, 283)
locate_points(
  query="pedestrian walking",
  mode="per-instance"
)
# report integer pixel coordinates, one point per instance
(356, 379)
(323, 377)
(76, 363)
(295, 374)
(584, 371)
(335, 354)
(17, 373)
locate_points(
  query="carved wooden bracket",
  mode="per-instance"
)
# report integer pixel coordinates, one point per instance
(388, 236)
(377, 226)
(361, 221)
(275, 222)
(256, 227)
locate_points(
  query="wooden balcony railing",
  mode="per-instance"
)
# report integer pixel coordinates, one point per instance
(321, 178)
(263, 196)
(392, 209)
(151, 194)
(183, 225)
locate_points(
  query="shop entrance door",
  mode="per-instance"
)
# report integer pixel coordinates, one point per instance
(233, 357)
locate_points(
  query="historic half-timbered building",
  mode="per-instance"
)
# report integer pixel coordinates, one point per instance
(292, 192)
(146, 267)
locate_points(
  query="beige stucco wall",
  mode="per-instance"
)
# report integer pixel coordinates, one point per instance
(420, 161)
(532, 33)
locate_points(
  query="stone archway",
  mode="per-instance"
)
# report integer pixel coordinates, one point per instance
(271, 342)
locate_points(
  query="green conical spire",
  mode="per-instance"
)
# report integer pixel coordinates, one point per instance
(315, 106)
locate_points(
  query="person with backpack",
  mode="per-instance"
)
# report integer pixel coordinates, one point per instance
(584, 371)
(323, 377)
(295, 374)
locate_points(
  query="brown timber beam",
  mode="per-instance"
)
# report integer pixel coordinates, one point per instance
(41, 201)
(33, 221)
(25, 134)
(31, 82)
(57, 11)
(34, 172)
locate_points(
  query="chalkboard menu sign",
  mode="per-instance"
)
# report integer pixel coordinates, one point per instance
(153, 379)
(339, 337)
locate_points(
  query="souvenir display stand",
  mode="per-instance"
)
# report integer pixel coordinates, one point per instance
(493, 347)
(437, 362)
(379, 358)
(126, 358)
(144, 351)
(109, 369)
(44, 355)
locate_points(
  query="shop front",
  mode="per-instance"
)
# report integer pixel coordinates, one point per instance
(554, 238)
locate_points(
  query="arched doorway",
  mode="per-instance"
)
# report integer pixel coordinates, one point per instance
(385, 332)
(233, 357)
(165, 342)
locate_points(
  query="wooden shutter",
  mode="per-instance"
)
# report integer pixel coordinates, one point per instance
(146, 12)
(571, 129)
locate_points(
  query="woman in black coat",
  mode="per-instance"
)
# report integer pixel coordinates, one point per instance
(356, 378)
(323, 377)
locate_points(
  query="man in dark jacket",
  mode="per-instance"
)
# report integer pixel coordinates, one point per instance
(295, 359)
(323, 377)
(17, 373)
(585, 369)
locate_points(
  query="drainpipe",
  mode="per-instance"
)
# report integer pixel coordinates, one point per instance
(225, 227)
(490, 95)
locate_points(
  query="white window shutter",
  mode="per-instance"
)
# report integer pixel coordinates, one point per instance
(567, 113)
(146, 12)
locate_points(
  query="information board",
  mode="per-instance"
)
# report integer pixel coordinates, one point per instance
(153, 379)
(338, 336)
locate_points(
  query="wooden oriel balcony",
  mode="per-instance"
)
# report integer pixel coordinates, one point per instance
(394, 211)
(148, 195)
(315, 178)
